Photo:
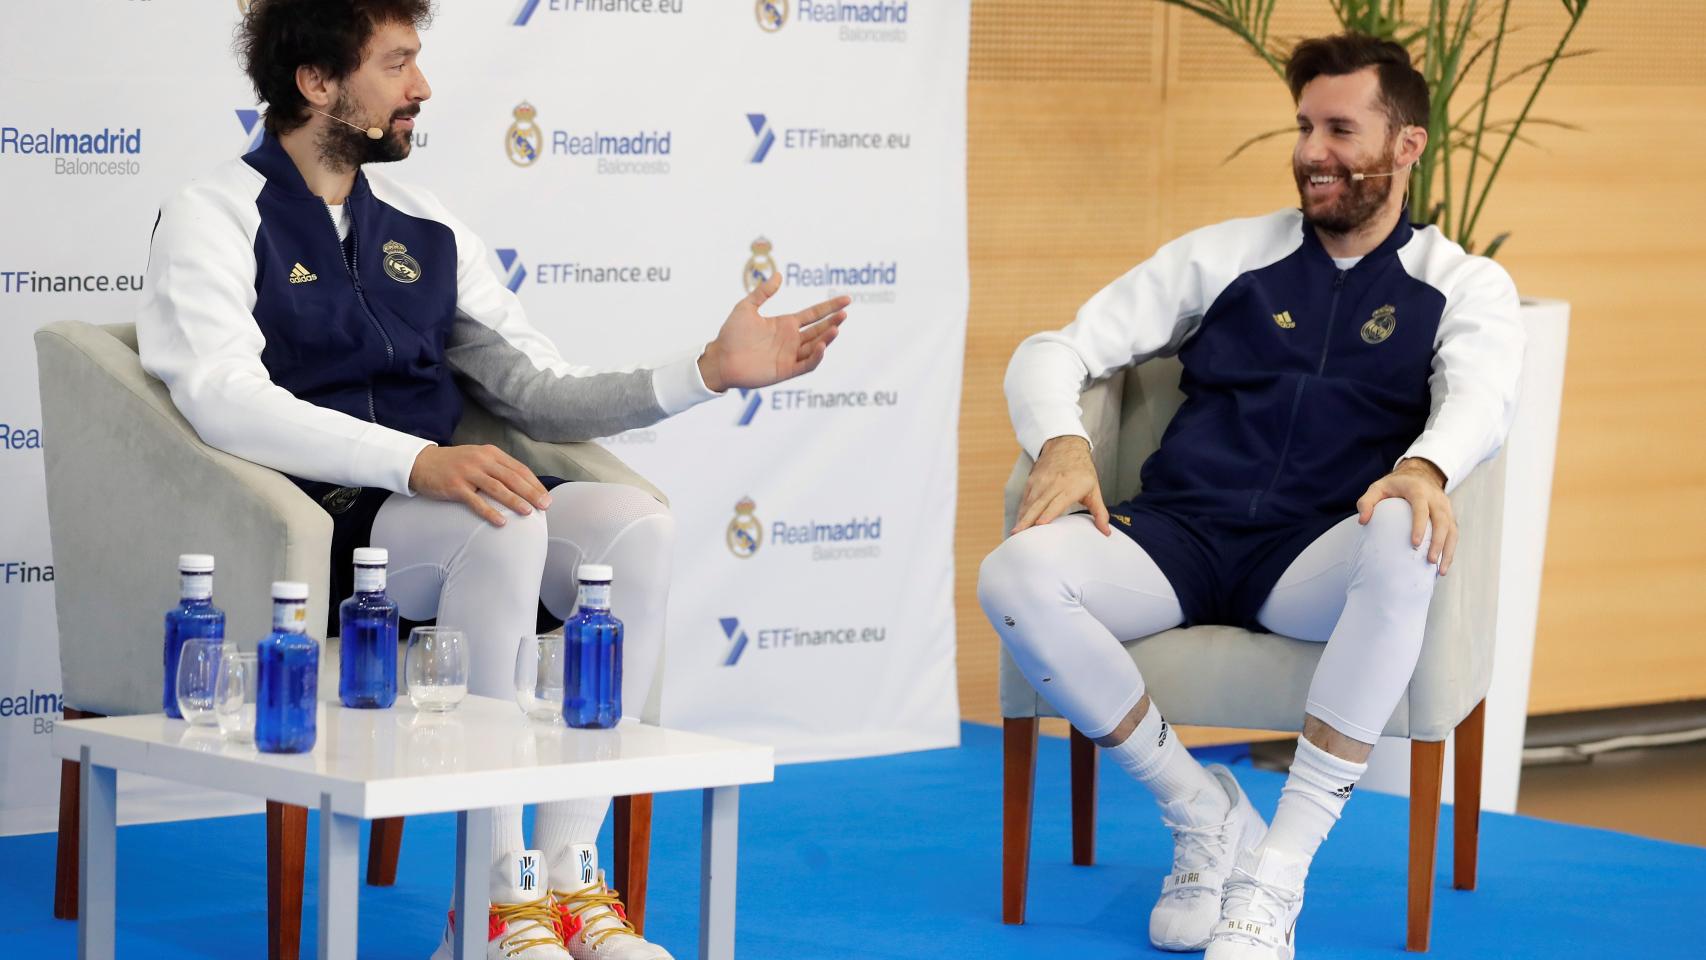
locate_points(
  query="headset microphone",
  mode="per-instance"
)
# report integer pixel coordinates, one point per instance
(373, 133)
(1370, 176)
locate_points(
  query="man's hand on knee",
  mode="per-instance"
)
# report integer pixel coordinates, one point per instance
(1422, 485)
(1062, 477)
(464, 473)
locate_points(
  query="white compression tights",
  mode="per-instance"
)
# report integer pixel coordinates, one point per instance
(1062, 597)
(447, 563)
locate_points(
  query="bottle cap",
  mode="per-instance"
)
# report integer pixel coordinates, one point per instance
(289, 590)
(596, 572)
(372, 556)
(195, 562)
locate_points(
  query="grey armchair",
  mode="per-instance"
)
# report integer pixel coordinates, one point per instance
(1208, 675)
(130, 486)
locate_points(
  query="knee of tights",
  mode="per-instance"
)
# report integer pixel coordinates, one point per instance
(523, 537)
(1386, 541)
(1019, 570)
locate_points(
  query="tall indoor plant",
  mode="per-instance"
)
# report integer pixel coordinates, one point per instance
(1466, 148)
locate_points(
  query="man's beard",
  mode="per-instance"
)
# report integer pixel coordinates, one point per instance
(344, 147)
(1358, 202)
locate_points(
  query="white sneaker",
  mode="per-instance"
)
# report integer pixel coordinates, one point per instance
(593, 921)
(1185, 914)
(523, 923)
(1258, 912)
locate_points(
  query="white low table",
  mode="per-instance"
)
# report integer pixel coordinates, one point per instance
(369, 764)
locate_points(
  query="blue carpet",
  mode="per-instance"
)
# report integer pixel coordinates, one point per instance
(900, 857)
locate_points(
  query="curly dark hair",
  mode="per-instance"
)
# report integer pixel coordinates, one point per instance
(1403, 91)
(277, 36)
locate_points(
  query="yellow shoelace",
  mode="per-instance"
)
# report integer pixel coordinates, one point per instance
(543, 934)
(587, 899)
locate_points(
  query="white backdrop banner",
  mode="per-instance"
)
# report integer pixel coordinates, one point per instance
(634, 166)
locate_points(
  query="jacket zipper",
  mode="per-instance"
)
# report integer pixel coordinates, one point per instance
(361, 297)
(1332, 313)
(1297, 396)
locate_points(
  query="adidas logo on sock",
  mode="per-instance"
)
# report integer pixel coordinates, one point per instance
(1344, 792)
(301, 274)
(1007, 620)
(1161, 741)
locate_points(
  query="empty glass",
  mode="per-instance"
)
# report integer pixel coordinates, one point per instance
(436, 668)
(539, 678)
(234, 696)
(198, 672)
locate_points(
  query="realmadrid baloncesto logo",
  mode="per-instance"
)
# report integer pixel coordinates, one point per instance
(760, 266)
(523, 142)
(399, 266)
(772, 14)
(745, 533)
(1381, 325)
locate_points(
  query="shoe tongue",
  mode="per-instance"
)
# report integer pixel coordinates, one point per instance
(1276, 867)
(582, 863)
(1201, 809)
(519, 877)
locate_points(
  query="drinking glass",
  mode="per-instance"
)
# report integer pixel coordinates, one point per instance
(198, 671)
(539, 677)
(436, 668)
(234, 696)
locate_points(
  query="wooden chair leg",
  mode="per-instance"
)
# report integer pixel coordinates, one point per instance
(287, 851)
(1083, 799)
(1427, 770)
(1019, 775)
(633, 842)
(70, 839)
(1466, 799)
(384, 843)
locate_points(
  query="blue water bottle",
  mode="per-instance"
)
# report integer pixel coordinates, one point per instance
(367, 631)
(592, 655)
(289, 666)
(195, 616)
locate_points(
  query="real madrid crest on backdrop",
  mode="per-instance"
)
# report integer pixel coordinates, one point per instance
(649, 146)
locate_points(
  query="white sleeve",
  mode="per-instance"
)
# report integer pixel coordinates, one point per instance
(1150, 311)
(517, 372)
(196, 332)
(1477, 370)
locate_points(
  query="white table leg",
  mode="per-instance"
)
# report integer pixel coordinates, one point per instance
(340, 857)
(717, 848)
(473, 897)
(97, 859)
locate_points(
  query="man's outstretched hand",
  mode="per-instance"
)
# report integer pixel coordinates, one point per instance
(1422, 484)
(1063, 477)
(757, 351)
(470, 474)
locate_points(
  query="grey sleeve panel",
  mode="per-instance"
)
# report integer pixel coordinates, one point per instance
(548, 406)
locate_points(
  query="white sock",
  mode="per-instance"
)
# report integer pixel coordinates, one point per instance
(557, 827)
(1310, 803)
(506, 833)
(1153, 756)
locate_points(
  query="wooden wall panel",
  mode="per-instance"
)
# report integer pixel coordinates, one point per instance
(1094, 138)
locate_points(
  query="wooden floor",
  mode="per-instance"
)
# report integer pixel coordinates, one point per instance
(1658, 792)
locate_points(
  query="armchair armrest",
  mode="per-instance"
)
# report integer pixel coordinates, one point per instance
(570, 461)
(1456, 664)
(129, 487)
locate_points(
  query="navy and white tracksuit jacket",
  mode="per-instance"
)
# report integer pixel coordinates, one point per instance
(278, 351)
(337, 362)
(1303, 384)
